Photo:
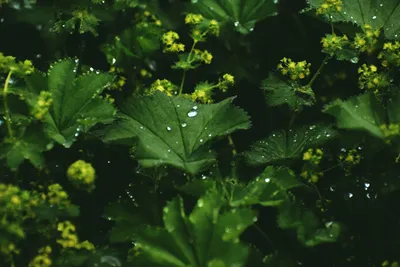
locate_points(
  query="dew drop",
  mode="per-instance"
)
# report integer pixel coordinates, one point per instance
(209, 135)
(200, 203)
(195, 107)
(201, 140)
(169, 128)
(184, 125)
(192, 114)
(267, 180)
(374, 17)
(236, 23)
(354, 60)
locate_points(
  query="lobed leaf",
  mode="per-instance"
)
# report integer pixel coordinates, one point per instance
(174, 130)
(288, 144)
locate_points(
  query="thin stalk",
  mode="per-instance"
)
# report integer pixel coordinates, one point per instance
(264, 234)
(7, 111)
(184, 72)
(318, 71)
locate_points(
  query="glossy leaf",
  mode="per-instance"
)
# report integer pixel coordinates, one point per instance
(205, 238)
(362, 112)
(288, 144)
(241, 14)
(76, 103)
(377, 13)
(174, 130)
(268, 189)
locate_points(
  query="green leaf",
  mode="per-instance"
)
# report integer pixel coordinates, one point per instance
(205, 238)
(307, 225)
(30, 147)
(288, 144)
(378, 14)
(174, 130)
(268, 189)
(241, 14)
(76, 103)
(362, 112)
(280, 92)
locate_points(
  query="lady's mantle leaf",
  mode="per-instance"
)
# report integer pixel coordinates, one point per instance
(268, 189)
(280, 92)
(359, 113)
(379, 14)
(307, 225)
(288, 144)
(174, 130)
(242, 14)
(76, 103)
(205, 238)
(31, 147)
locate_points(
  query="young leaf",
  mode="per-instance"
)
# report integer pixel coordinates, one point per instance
(205, 238)
(76, 103)
(378, 14)
(288, 144)
(307, 225)
(174, 130)
(280, 92)
(242, 14)
(361, 113)
(268, 189)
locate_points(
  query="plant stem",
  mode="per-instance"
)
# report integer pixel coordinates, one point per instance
(264, 234)
(184, 72)
(7, 111)
(232, 144)
(318, 71)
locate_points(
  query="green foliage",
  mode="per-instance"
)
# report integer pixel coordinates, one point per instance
(240, 14)
(280, 92)
(379, 14)
(360, 113)
(110, 110)
(290, 144)
(175, 131)
(206, 237)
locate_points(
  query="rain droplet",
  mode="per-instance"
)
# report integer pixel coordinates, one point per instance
(236, 23)
(195, 107)
(184, 125)
(267, 180)
(201, 140)
(169, 128)
(209, 135)
(374, 17)
(192, 114)
(354, 60)
(200, 203)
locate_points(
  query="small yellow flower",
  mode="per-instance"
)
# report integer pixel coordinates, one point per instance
(81, 173)
(229, 78)
(206, 57)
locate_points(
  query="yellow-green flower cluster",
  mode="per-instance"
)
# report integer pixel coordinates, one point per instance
(390, 54)
(203, 91)
(329, 6)
(81, 173)
(16, 205)
(118, 83)
(164, 86)
(332, 43)
(386, 263)
(201, 26)
(9, 63)
(69, 239)
(42, 259)
(310, 170)
(295, 70)
(193, 19)
(56, 195)
(42, 105)
(367, 41)
(349, 159)
(371, 79)
(151, 18)
(170, 45)
(390, 131)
